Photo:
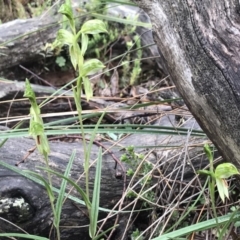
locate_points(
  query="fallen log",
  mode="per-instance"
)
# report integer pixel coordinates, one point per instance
(34, 214)
(38, 218)
(23, 42)
(14, 107)
(32, 197)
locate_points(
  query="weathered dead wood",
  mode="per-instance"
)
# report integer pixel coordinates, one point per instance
(39, 222)
(24, 41)
(38, 219)
(200, 43)
(14, 107)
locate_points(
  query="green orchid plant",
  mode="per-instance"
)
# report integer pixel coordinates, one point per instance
(218, 178)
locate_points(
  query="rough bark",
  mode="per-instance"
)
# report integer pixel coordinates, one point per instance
(199, 41)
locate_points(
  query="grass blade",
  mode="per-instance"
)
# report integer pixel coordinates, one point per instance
(58, 207)
(22, 235)
(96, 197)
(197, 227)
(80, 191)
